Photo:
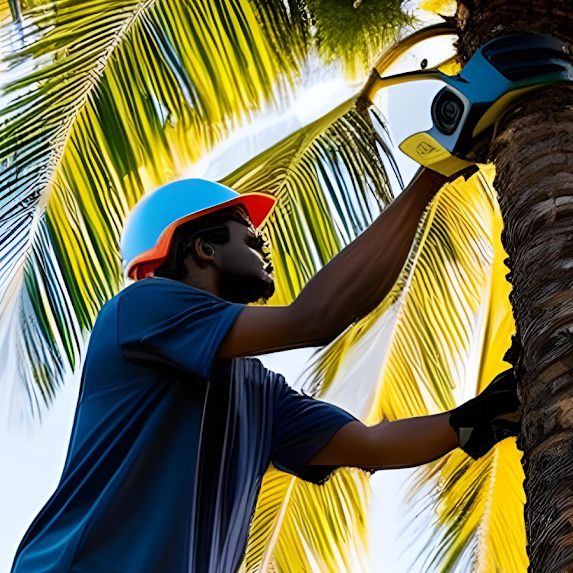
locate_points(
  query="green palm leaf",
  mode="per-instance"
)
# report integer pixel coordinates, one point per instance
(115, 98)
(369, 27)
(122, 97)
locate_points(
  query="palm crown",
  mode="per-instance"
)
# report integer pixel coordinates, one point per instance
(107, 100)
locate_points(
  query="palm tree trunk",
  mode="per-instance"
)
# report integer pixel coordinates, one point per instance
(533, 151)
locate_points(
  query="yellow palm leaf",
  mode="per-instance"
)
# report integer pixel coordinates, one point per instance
(478, 505)
(5, 14)
(300, 526)
(408, 354)
(110, 100)
(476, 509)
(498, 322)
(440, 7)
(330, 182)
(436, 340)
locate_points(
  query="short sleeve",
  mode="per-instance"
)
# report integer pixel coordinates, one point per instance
(167, 323)
(303, 426)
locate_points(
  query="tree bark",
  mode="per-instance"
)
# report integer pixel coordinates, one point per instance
(533, 152)
(532, 148)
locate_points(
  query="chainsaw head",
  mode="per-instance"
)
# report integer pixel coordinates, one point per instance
(501, 72)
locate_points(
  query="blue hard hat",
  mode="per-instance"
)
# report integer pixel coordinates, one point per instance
(148, 230)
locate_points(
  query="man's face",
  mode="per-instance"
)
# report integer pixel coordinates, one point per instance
(245, 269)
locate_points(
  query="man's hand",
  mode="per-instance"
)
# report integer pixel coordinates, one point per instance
(490, 417)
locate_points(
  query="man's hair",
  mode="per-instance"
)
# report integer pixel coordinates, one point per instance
(211, 228)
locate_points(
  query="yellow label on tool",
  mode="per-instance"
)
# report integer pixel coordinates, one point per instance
(424, 149)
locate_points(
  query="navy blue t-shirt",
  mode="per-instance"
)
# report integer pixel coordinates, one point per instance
(169, 445)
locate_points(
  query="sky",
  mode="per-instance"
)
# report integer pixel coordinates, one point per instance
(33, 456)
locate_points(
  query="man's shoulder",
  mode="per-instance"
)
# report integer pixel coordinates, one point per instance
(152, 284)
(156, 304)
(141, 294)
(158, 286)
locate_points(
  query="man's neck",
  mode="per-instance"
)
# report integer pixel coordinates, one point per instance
(206, 281)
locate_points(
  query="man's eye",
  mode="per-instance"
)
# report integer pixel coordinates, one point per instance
(257, 243)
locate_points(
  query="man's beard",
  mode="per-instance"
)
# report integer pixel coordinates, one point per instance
(244, 289)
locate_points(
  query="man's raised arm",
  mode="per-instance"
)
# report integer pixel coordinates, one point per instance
(347, 288)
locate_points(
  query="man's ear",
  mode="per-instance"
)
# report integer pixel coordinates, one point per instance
(204, 251)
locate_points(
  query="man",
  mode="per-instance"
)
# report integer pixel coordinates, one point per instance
(176, 423)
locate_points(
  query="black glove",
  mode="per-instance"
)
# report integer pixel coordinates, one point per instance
(467, 172)
(488, 418)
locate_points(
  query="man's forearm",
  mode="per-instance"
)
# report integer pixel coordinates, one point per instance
(411, 442)
(402, 443)
(358, 278)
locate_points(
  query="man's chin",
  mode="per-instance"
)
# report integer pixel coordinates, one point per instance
(268, 290)
(250, 290)
(262, 291)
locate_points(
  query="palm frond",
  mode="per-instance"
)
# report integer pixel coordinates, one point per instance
(368, 28)
(15, 10)
(349, 33)
(116, 98)
(286, 24)
(413, 346)
(5, 12)
(330, 181)
(299, 526)
(477, 511)
(113, 98)
(438, 339)
(476, 507)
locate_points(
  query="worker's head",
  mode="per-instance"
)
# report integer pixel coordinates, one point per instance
(204, 234)
(225, 249)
